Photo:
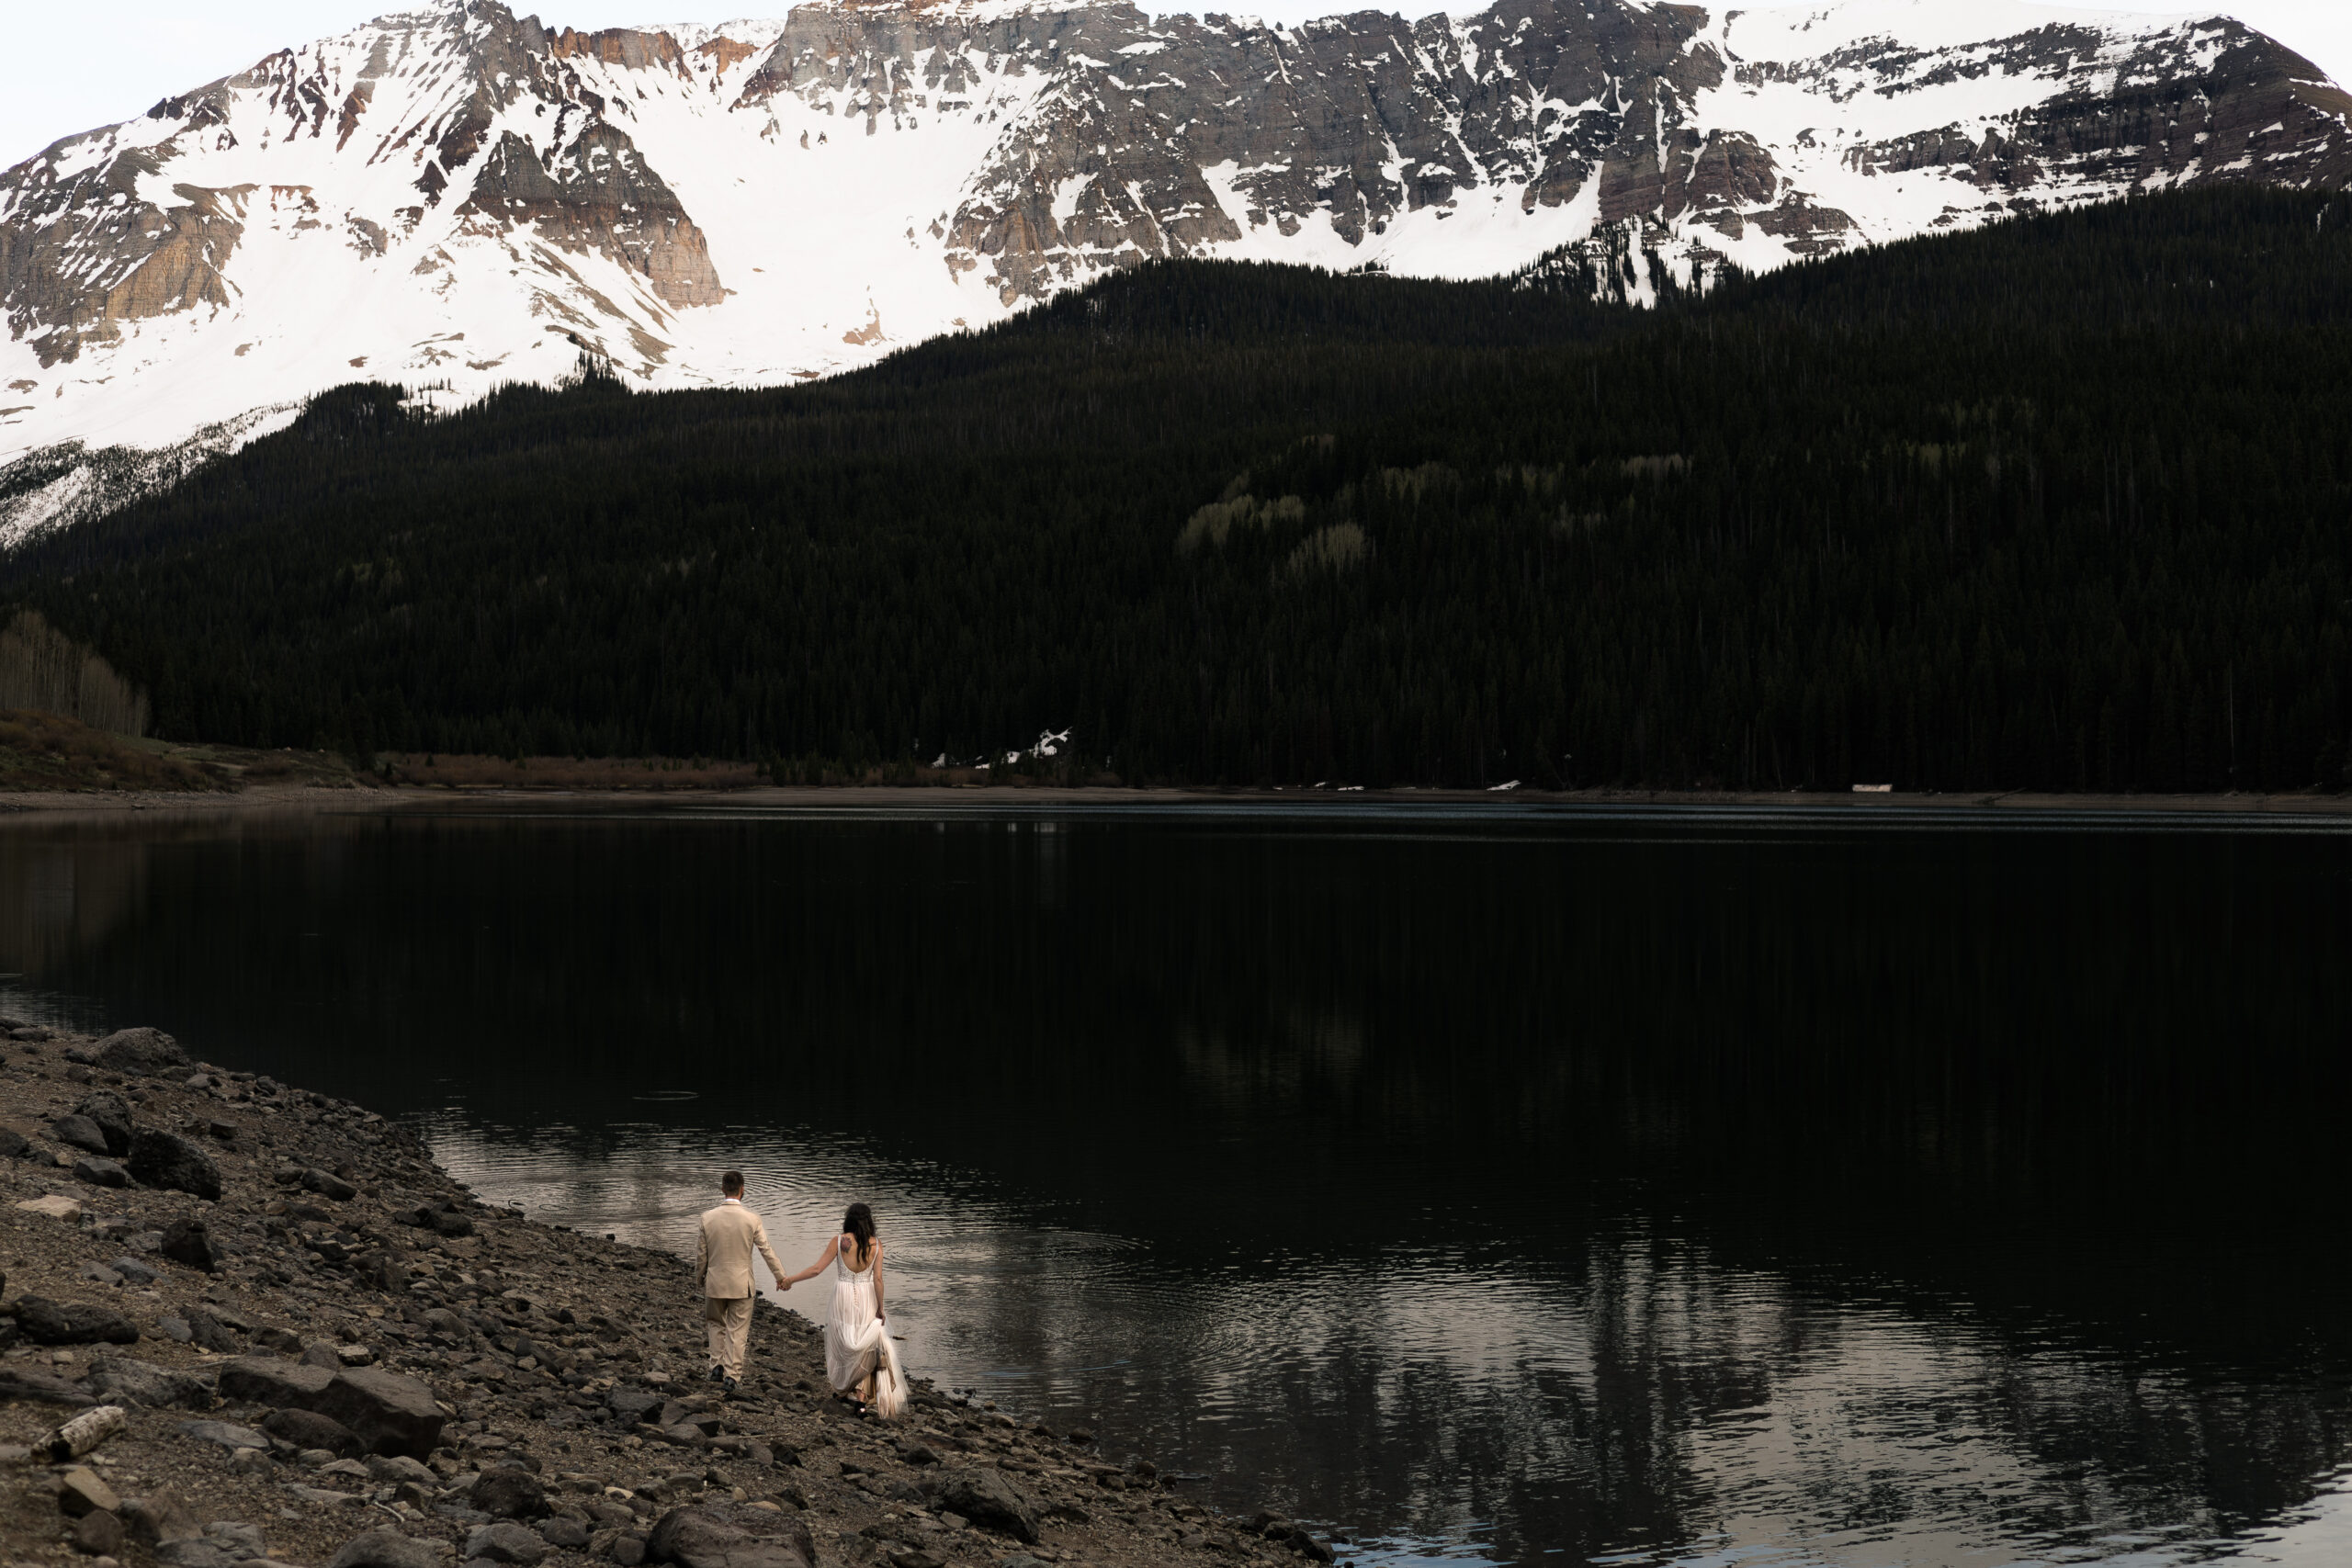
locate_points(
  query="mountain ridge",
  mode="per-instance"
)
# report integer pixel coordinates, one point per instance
(2057, 503)
(457, 197)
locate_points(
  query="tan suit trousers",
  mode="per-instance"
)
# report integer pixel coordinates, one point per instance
(726, 1325)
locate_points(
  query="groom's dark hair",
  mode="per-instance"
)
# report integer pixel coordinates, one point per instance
(731, 1184)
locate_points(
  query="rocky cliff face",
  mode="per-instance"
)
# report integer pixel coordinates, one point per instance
(459, 195)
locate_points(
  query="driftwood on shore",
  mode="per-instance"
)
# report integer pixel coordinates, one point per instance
(321, 1349)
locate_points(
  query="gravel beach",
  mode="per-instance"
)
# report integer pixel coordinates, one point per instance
(240, 1321)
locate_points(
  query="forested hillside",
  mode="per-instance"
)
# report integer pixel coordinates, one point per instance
(2064, 504)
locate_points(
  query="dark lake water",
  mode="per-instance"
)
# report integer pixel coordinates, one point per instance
(1688, 1188)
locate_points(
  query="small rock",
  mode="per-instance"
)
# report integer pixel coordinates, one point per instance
(189, 1244)
(31, 1382)
(81, 1491)
(80, 1132)
(284, 1341)
(321, 1353)
(210, 1332)
(132, 1270)
(175, 1329)
(385, 1549)
(113, 1117)
(505, 1543)
(628, 1550)
(254, 1463)
(160, 1517)
(398, 1467)
(632, 1405)
(46, 1322)
(228, 1433)
(225, 1132)
(242, 1541)
(328, 1185)
(99, 1172)
(57, 1206)
(98, 1534)
(389, 1412)
(127, 1381)
(198, 1553)
(14, 1144)
(989, 1500)
(137, 1052)
(167, 1160)
(309, 1429)
(509, 1495)
(560, 1532)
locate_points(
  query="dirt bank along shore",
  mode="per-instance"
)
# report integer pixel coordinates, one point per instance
(239, 1321)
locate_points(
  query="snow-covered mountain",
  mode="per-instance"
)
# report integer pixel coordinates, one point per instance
(458, 197)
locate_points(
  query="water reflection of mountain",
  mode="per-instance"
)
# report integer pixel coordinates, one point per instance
(1636, 1388)
(1616, 1186)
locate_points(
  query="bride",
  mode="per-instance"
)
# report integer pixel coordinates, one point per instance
(860, 1360)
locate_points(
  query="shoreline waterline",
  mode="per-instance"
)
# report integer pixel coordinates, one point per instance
(1913, 808)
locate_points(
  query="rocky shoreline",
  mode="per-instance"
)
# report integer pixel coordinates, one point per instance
(241, 1322)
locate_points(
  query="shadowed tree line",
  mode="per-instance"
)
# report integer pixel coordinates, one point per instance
(2062, 504)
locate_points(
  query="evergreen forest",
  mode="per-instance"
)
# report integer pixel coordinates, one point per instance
(2064, 503)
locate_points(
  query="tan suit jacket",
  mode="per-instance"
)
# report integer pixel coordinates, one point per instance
(731, 1233)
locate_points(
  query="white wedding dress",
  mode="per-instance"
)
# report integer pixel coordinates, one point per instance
(858, 1343)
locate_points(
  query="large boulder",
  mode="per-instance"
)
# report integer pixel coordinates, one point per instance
(167, 1160)
(190, 1245)
(121, 1380)
(730, 1535)
(390, 1413)
(138, 1051)
(46, 1322)
(988, 1499)
(385, 1549)
(112, 1114)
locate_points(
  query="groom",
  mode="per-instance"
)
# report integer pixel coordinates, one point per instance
(730, 1234)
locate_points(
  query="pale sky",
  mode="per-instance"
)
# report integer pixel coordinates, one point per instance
(70, 67)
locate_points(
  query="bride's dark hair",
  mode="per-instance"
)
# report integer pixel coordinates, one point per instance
(859, 1223)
